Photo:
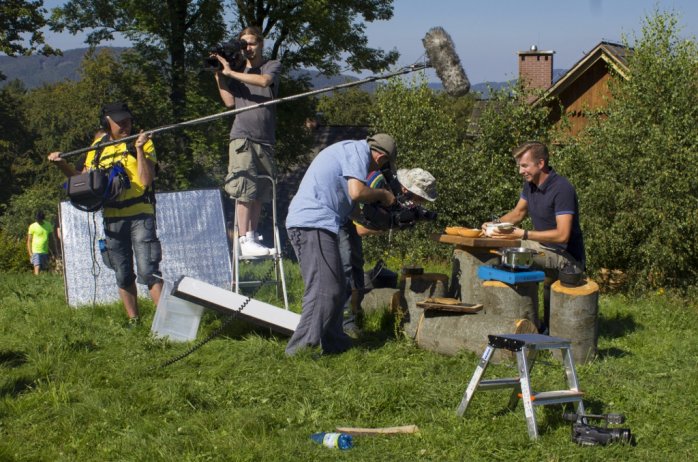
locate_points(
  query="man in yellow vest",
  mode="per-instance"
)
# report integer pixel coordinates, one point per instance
(129, 220)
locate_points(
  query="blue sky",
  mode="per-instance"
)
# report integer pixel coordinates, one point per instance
(488, 33)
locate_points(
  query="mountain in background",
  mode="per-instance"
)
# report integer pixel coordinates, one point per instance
(34, 71)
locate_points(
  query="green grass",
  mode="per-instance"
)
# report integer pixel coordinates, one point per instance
(75, 385)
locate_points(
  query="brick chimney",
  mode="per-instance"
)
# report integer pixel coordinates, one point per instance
(536, 68)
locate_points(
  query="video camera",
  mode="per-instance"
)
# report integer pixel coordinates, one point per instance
(231, 51)
(404, 213)
(590, 435)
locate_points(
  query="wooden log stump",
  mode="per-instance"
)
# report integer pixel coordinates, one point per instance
(574, 314)
(465, 284)
(510, 302)
(505, 304)
(418, 288)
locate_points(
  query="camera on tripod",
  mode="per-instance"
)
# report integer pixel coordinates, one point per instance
(590, 435)
(230, 51)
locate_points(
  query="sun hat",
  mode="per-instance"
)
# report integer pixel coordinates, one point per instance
(419, 182)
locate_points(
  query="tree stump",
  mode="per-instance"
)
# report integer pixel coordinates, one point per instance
(418, 288)
(465, 283)
(511, 301)
(574, 314)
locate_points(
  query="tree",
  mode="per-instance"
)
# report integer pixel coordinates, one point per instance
(19, 17)
(352, 106)
(635, 169)
(174, 36)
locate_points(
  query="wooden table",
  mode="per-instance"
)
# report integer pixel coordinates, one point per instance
(468, 255)
(475, 242)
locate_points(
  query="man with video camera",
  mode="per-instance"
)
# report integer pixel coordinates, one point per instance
(331, 186)
(414, 187)
(252, 136)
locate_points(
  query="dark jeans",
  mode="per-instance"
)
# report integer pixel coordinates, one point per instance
(352, 255)
(325, 292)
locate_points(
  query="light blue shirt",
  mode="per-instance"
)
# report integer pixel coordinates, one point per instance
(322, 200)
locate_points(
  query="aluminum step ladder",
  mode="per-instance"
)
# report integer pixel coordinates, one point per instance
(275, 255)
(526, 347)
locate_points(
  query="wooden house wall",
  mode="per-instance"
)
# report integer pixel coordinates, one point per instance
(588, 92)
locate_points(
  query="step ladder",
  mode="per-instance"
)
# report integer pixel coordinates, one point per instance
(280, 279)
(526, 347)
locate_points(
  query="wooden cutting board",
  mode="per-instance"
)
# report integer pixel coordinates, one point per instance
(454, 308)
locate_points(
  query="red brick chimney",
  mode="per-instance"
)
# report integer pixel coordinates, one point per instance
(536, 68)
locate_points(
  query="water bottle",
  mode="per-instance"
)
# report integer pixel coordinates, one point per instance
(333, 440)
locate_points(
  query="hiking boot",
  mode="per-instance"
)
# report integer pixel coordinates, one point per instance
(252, 248)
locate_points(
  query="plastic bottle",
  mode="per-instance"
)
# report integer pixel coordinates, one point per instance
(333, 440)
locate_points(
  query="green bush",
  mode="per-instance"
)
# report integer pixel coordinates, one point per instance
(13, 254)
(635, 168)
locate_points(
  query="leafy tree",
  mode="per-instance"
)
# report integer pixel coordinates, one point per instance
(19, 17)
(352, 106)
(15, 140)
(175, 35)
(635, 169)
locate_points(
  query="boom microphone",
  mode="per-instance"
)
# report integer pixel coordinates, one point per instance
(443, 58)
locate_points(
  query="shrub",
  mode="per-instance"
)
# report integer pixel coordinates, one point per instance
(13, 254)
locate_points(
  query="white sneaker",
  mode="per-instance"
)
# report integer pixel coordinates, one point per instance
(251, 248)
(258, 239)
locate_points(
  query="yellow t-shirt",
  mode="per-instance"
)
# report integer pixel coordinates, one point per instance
(119, 153)
(40, 233)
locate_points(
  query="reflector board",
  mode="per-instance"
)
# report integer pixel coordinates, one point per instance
(256, 312)
(192, 231)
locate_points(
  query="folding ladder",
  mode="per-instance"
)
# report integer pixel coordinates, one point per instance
(526, 347)
(280, 279)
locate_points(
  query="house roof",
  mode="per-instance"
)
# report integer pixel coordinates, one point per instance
(615, 55)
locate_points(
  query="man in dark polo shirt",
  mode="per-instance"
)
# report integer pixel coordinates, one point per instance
(551, 202)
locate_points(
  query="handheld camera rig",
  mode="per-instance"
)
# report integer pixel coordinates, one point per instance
(231, 51)
(589, 435)
(404, 213)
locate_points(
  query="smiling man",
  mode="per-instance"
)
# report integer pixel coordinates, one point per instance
(551, 202)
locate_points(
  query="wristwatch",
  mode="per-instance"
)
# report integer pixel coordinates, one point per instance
(525, 235)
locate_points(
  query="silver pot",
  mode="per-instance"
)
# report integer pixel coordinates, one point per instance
(517, 257)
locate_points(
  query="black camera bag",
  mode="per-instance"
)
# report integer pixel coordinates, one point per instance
(87, 190)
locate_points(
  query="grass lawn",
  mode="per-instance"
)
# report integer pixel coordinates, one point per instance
(76, 385)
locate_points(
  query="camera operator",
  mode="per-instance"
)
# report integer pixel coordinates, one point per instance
(252, 136)
(417, 186)
(331, 186)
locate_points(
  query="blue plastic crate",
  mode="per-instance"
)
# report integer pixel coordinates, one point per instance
(490, 273)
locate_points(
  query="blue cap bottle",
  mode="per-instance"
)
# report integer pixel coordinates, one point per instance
(333, 440)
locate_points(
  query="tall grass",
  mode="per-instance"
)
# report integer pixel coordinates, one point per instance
(75, 384)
